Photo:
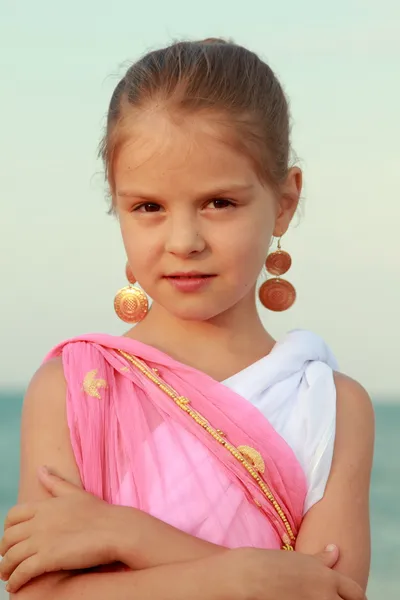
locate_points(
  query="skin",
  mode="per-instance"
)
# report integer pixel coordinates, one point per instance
(198, 227)
(187, 226)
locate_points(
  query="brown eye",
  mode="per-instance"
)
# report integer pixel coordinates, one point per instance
(148, 207)
(219, 203)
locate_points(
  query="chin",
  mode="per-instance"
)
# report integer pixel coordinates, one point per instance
(201, 312)
(193, 315)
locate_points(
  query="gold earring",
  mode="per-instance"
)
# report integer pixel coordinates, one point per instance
(277, 294)
(131, 303)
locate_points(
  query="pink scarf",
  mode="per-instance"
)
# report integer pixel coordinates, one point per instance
(204, 460)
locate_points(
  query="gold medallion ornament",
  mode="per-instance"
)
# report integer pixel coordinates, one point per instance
(277, 294)
(131, 303)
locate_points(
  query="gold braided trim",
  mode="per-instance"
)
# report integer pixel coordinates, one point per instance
(249, 457)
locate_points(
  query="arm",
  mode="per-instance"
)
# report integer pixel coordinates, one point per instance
(224, 574)
(342, 516)
(45, 440)
(192, 580)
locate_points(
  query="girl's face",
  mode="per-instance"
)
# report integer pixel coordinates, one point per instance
(195, 219)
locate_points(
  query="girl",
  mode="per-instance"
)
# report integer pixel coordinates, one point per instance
(192, 454)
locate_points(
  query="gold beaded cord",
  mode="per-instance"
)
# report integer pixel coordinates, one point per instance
(250, 458)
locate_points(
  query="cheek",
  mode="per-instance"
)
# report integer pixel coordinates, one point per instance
(139, 245)
(248, 248)
(250, 257)
(128, 237)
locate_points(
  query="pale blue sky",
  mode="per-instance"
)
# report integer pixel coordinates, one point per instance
(61, 258)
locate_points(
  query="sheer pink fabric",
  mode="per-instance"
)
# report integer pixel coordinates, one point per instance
(134, 446)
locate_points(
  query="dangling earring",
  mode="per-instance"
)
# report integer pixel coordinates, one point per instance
(131, 303)
(277, 294)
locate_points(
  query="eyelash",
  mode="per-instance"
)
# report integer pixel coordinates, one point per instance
(137, 208)
(227, 201)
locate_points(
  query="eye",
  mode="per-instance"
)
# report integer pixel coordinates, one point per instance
(220, 203)
(148, 207)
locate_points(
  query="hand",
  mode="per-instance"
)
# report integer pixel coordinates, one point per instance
(271, 574)
(70, 531)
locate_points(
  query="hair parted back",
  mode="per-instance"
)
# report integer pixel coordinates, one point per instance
(209, 75)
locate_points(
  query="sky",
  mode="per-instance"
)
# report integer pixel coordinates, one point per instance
(61, 257)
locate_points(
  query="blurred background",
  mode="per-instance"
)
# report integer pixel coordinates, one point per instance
(61, 258)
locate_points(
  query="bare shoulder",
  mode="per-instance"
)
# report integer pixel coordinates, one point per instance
(350, 388)
(355, 411)
(44, 401)
(49, 378)
(45, 438)
(355, 436)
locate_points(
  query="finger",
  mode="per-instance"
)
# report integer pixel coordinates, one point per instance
(329, 556)
(350, 590)
(57, 486)
(14, 535)
(27, 570)
(19, 514)
(14, 557)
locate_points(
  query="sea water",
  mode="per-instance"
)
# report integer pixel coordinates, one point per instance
(385, 496)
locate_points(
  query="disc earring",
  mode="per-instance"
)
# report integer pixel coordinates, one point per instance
(131, 303)
(277, 294)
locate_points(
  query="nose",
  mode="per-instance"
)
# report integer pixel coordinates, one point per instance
(184, 237)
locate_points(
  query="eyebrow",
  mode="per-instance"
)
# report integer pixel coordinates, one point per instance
(217, 191)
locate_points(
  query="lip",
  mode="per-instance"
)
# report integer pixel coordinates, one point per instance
(189, 274)
(190, 281)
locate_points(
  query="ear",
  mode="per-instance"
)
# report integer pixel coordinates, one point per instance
(288, 200)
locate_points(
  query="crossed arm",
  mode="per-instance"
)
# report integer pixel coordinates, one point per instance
(171, 564)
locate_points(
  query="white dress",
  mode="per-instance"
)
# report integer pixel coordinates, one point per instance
(293, 387)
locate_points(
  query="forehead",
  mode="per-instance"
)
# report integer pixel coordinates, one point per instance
(190, 151)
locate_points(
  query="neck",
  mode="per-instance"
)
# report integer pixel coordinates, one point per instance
(220, 346)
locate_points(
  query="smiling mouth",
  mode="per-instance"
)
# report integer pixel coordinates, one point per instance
(189, 283)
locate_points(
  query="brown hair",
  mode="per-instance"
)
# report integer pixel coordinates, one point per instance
(213, 75)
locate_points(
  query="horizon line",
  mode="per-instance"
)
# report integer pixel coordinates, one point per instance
(377, 398)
